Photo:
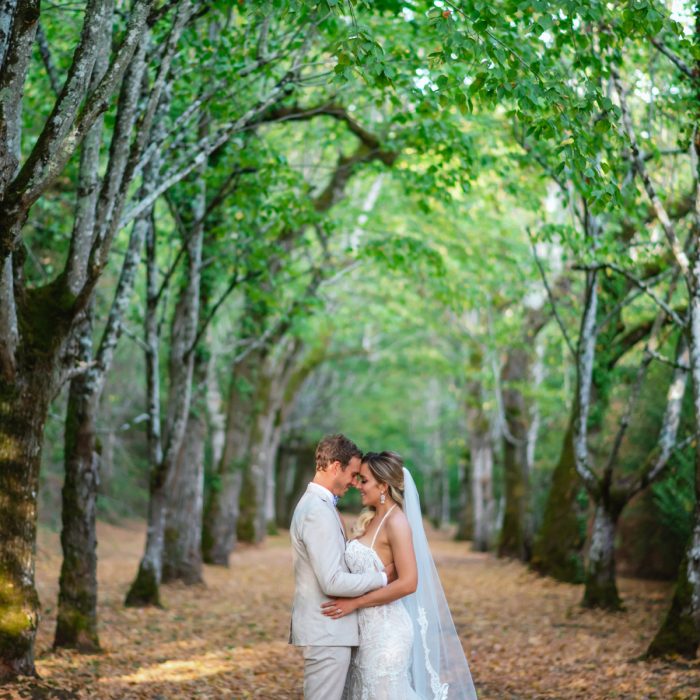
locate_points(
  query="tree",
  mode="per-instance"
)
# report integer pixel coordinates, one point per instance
(38, 322)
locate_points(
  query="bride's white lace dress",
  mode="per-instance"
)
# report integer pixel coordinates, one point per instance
(380, 668)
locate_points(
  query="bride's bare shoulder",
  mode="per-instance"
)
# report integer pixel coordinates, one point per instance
(397, 523)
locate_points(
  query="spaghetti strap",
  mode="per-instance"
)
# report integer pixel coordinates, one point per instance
(386, 515)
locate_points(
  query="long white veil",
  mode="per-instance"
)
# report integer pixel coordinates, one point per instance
(439, 667)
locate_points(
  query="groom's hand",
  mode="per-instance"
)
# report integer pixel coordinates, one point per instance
(390, 571)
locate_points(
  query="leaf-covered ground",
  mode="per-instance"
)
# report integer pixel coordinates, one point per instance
(525, 636)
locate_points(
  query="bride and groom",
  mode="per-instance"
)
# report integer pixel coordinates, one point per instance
(386, 633)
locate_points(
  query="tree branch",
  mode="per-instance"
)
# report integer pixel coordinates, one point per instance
(659, 458)
(45, 52)
(646, 288)
(647, 356)
(16, 51)
(337, 111)
(585, 357)
(235, 282)
(676, 60)
(669, 230)
(550, 296)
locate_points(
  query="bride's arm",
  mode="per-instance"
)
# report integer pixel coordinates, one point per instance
(400, 539)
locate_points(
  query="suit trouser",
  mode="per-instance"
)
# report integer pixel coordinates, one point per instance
(325, 670)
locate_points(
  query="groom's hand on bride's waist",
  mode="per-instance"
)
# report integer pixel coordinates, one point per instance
(338, 607)
(390, 571)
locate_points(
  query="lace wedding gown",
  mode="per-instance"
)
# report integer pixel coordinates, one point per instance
(380, 668)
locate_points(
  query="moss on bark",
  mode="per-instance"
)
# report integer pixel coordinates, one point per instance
(602, 594)
(18, 623)
(559, 543)
(678, 634)
(144, 590)
(245, 527)
(76, 630)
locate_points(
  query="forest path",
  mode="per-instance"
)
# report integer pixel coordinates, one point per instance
(525, 636)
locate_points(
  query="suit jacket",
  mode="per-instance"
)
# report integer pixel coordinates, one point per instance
(320, 571)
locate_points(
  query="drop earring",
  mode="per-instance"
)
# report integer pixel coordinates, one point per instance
(382, 498)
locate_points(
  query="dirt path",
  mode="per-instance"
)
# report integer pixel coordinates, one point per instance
(525, 637)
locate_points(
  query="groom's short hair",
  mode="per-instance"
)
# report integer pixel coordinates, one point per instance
(335, 447)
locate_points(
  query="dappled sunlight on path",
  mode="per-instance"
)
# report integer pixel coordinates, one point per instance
(525, 636)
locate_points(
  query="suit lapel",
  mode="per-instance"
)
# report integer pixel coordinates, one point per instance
(340, 522)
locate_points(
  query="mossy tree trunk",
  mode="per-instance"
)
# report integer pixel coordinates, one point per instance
(558, 547)
(44, 322)
(76, 623)
(515, 539)
(76, 620)
(610, 494)
(24, 405)
(680, 632)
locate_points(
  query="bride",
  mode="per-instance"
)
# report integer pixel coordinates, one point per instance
(409, 648)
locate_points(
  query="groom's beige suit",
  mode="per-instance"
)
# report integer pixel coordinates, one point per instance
(320, 571)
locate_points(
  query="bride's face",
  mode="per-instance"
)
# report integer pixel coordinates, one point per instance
(369, 487)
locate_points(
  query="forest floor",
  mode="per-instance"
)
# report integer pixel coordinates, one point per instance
(525, 636)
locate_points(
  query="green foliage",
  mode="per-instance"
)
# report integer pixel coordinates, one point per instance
(499, 131)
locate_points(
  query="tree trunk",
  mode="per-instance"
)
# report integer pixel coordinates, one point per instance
(145, 589)
(480, 446)
(23, 411)
(278, 374)
(283, 476)
(300, 461)
(516, 534)
(182, 555)
(679, 634)
(601, 588)
(465, 517)
(221, 514)
(251, 526)
(559, 544)
(273, 483)
(483, 503)
(680, 631)
(76, 623)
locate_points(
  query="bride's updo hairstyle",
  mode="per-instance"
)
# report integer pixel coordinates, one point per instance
(387, 468)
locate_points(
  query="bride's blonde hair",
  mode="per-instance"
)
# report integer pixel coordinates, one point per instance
(387, 468)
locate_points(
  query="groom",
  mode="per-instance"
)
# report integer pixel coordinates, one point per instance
(318, 542)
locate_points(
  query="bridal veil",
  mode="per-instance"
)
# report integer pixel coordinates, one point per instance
(439, 667)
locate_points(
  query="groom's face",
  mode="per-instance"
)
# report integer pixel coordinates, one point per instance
(344, 478)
